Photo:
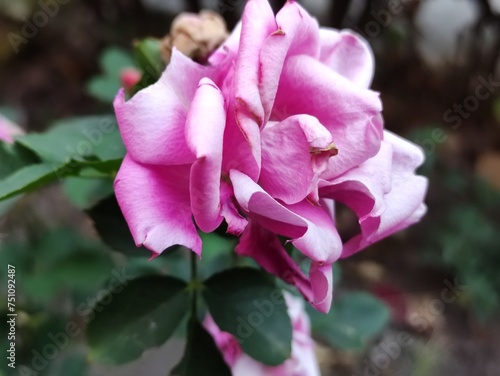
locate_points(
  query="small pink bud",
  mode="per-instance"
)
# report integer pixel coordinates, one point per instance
(129, 77)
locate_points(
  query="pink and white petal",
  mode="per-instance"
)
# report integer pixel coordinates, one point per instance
(294, 154)
(152, 122)
(348, 54)
(242, 146)
(382, 209)
(204, 134)
(228, 49)
(258, 23)
(226, 342)
(247, 134)
(297, 33)
(235, 222)
(155, 203)
(321, 279)
(349, 112)
(321, 243)
(301, 27)
(261, 207)
(404, 203)
(403, 207)
(241, 152)
(372, 179)
(246, 366)
(266, 249)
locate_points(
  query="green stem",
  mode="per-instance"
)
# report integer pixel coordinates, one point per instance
(194, 291)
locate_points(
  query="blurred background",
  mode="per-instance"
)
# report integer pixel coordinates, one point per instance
(424, 302)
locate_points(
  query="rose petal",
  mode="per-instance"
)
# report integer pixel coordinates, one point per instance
(348, 54)
(265, 247)
(257, 24)
(350, 113)
(226, 342)
(228, 49)
(204, 133)
(297, 33)
(321, 242)
(160, 216)
(152, 122)
(260, 206)
(382, 208)
(235, 222)
(294, 154)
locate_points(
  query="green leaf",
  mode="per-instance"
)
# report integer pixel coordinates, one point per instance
(104, 88)
(246, 303)
(148, 55)
(62, 260)
(14, 157)
(355, 318)
(144, 314)
(113, 229)
(29, 178)
(84, 139)
(201, 356)
(114, 59)
(87, 192)
(74, 364)
(217, 253)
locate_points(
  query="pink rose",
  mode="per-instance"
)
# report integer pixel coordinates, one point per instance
(301, 363)
(277, 126)
(8, 130)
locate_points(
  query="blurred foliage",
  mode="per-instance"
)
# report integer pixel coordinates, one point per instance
(105, 86)
(86, 147)
(460, 233)
(355, 319)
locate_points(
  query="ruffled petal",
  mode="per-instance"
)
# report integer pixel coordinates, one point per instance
(350, 113)
(152, 122)
(348, 54)
(155, 202)
(265, 248)
(242, 148)
(321, 243)
(257, 24)
(294, 154)
(228, 49)
(260, 206)
(235, 222)
(297, 33)
(204, 133)
(387, 201)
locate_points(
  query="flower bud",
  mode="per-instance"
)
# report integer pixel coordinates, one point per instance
(195, 35)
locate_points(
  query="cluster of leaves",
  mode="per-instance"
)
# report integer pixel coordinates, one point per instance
(82, 147)
(461, 233)
(232, 290)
